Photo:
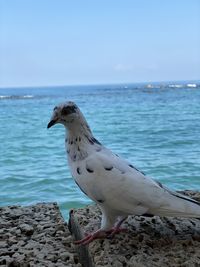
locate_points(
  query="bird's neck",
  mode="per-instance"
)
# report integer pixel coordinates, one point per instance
(80, 142)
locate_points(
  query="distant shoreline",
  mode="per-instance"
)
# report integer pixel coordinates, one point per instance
(153, 83)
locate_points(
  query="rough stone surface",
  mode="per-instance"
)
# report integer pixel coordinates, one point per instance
(149, 242)
(38, 236)
(35, 236)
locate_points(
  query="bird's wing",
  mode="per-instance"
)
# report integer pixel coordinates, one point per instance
(126, 189)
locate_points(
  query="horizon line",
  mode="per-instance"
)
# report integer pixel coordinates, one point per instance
(98, 84)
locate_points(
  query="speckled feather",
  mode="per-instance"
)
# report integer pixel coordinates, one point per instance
(113, 183)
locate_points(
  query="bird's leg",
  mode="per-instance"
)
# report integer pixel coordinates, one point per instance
(100, 234)
(117, 229)
(89, 238)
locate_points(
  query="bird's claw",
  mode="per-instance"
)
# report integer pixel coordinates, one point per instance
(89, 238)
(100, 234)
(115, 231)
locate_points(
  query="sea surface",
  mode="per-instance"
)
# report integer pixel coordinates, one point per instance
(156, 128)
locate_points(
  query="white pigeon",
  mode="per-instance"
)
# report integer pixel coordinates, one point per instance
(113, 183)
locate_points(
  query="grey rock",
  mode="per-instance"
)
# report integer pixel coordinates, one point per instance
(28, 239)
(65, 256)
(3, 244)
(148, 242)
(27, 229)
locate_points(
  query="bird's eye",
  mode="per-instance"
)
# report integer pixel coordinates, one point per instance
(68, 110)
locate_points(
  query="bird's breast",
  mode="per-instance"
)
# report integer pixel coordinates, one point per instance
(86, 180)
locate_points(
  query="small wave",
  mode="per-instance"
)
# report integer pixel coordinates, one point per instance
(28, 96)
(192, 85)
(4, 96)
(16, 96)
(175, 85)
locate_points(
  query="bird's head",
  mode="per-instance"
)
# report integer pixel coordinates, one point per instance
(65, 113)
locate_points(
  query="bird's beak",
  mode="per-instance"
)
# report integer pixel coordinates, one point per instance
(51, 123)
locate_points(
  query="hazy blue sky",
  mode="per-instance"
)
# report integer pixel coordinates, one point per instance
(59, 42)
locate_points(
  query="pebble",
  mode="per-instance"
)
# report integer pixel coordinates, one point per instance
(27, 229)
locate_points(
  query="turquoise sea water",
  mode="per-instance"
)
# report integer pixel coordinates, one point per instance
(157, 129)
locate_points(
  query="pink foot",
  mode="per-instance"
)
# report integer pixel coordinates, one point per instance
(100, 234)
(116, 230)
(89, 238)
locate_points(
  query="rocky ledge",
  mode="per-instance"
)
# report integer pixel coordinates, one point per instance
(148, 242)
(37, 236)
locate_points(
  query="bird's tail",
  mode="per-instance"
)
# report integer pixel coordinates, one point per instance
(178, 205)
